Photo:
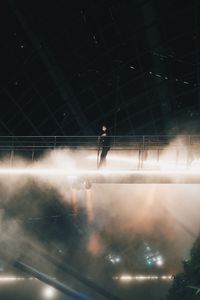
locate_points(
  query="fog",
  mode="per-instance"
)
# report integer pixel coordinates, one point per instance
(108, 216)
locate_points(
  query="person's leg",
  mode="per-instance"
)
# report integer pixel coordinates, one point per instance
(103, 156)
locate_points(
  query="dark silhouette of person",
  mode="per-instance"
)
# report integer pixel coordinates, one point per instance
(103, 146)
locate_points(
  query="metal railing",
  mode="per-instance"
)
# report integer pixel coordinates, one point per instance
(141, 148)
(117, 142)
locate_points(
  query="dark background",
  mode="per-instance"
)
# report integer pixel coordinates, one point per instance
(67, 67)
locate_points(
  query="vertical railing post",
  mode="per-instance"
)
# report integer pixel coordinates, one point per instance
(12, 151)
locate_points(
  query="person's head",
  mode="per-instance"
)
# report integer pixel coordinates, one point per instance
(104, 128)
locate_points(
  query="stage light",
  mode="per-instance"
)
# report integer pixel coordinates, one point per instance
(125, 278)
(159, 261)
(114, 259)
(128, 278)
(49, 292)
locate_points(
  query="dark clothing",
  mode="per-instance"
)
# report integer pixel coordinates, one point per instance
(104, 147)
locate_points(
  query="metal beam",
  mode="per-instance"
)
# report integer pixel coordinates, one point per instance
(88, 282)
(49, 280)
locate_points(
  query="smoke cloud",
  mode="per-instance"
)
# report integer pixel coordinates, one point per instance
(107, 217)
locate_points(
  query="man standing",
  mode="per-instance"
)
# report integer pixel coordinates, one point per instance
(103, 146)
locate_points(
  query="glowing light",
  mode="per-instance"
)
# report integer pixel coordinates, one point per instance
(159, 261)
(13, 278)
(125, 278)
(129, 278)
(114, 259)
(49, 292)
(2, 279)
(95, 245)
(117, 259)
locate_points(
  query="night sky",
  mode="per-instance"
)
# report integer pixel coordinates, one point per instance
(67, 67)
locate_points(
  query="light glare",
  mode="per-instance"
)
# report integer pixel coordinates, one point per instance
(49, 292)
(129, 278)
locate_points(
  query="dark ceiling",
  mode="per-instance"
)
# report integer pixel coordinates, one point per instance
(67, 67)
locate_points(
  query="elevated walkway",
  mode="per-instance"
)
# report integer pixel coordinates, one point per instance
(131, 159)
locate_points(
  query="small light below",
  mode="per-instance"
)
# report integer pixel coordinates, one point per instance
(114, 259)
(129, 278)
(159, 263)
(49, 292)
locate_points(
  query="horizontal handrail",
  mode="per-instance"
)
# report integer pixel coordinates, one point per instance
(116, 142)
